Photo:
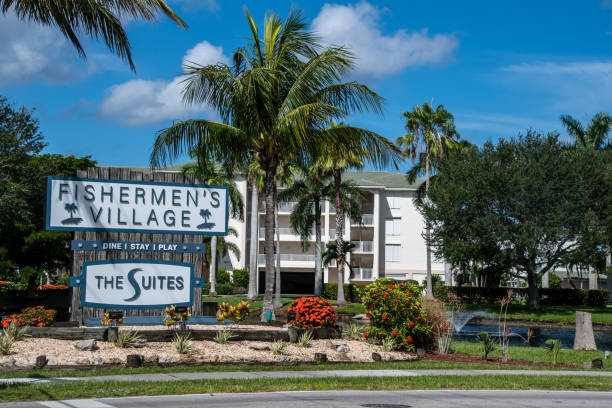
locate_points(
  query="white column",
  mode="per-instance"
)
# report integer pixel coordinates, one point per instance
(377, 229)
(325, 237)
(346, 237)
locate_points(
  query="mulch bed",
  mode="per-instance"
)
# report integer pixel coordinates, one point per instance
(469, 358)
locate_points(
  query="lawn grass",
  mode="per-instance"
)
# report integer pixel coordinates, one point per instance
(66, 390)
(536, 354)
(351, 308)
(565, 314)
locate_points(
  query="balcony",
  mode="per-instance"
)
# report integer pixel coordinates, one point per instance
(362, 273)
(283, 207)
(363, 247)
(367, 220)
(289, 258)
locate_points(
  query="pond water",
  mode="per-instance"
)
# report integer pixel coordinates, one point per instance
(518, 336)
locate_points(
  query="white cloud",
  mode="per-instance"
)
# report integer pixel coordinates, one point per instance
(138, 101)
(30, 51)
(501, 124)
(358, 27)
(575, 87)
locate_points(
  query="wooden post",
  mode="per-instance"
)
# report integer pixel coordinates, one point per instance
(584, 339)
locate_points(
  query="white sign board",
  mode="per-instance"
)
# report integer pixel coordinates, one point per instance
(136, 284)
(81, 204)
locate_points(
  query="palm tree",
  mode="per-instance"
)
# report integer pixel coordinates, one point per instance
(596, 132)
(94, 18)
(274, 103)
(331, 253)
(220, 249)
(222, 174)
(316, 184)
(431, 135)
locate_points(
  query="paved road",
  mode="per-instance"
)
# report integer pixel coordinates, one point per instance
(346, 399)
(299, 374)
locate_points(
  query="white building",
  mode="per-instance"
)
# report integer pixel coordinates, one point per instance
(389, 241)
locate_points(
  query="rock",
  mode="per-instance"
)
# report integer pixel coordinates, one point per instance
(86, 345)
(320, 357)
(133, 360)
(360, 317)
(82, 361)
(420, 352)
(376, 357)
(96, 360)
(283, 358)
(259, 347)
(140, 343)
(587, 365)
(41, 362)
(112, 334)
(342, 348)
(71, 362)
(597, 363)
(8, 363)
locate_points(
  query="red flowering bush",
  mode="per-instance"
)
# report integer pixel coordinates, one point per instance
(312, 312)
(31, 316)
(394, 309)
(48, 286)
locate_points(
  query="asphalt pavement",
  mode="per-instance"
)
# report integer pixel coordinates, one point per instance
(346, 399)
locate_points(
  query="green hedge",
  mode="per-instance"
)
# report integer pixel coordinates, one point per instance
(549, 296)
(240, 278)
(351, 292)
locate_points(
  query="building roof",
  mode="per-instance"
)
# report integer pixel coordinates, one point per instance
(386, 179)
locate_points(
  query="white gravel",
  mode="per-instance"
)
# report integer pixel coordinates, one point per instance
(63, 352)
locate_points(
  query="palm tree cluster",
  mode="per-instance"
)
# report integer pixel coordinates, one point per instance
(277, 103)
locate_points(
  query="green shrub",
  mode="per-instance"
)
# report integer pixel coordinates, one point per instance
(225, 289)
(182, 343)
(279, 347)
(388, 344)
(436, 280)
(351, 292)
(596, 298)
(487, 343)
(240, 278)
(223, 276)
(305, 339)
(223, 336)
(128, 339)
(394, 310)
(6, 344)
(554, 346)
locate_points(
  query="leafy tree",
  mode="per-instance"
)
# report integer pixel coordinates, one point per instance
(274, 103)
(431, 135)
(524, 204)
(94, 18)
(22, 195)
(594, 136)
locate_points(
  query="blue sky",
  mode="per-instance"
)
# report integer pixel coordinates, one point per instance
(500, 68)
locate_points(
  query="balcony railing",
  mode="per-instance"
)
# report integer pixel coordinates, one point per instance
(284, 207)
(289, 258)
(283, 231)
(366, 219)
(362, 273)
(363, 246)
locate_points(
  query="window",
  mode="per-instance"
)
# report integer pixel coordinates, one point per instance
(394, 202)
(392, 253)
(392, 226)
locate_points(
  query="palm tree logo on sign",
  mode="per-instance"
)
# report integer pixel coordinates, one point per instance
(206, 214)
(72, 220)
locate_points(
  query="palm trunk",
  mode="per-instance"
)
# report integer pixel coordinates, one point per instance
(277, 285)
(533, 298)
(429, 290)
(339, 237)
(213, 265)
(268, 306)
(254, 245)
(318, 289)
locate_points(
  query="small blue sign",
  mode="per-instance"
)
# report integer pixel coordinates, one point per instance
(132, 246)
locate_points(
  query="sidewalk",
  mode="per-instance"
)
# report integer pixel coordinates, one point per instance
(299, 374)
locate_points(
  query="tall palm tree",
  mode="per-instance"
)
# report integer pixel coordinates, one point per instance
(95, 18)
(254, 242)
(432, 134)
(596, 133)
(274, 102)
(221, 174)
(316, 184)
